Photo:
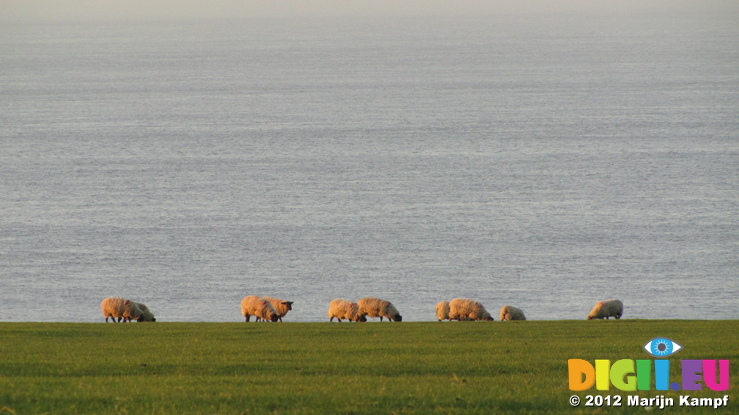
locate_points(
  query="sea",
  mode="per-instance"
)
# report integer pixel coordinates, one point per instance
(515, 153)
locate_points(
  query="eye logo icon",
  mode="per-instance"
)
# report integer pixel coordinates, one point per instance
(662, 347)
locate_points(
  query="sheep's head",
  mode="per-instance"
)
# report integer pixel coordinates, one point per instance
(362, 318)
(274, 317)
(288, 304)
(398, 318)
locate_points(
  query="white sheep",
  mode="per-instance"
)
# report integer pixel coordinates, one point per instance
(442, 310)
(509, 312)
(343, 309)
(120, 308)
(281, 306)
(146, 314)
(606, 309)
(375, 307)
(256, 306)
(465, 309)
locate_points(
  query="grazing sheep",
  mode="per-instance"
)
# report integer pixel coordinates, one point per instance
(509, 312)
(375, 307)
(464, 309)
(120, 308)
(343, 309)
(146, 315)
(112, 307)
(256, 306)
(442, 310)
(282, 307)
(606, 309)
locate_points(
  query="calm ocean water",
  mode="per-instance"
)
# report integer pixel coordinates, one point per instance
(543, 160)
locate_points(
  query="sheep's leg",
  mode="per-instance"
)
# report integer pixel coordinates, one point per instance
(380, 319)
(247, 317)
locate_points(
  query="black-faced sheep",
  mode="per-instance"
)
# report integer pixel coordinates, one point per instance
(465, 309)
(375, 307)
(343, 309)
(146, 314)
(120, 309)
(256, 306)
(281, 306)
(606, 309)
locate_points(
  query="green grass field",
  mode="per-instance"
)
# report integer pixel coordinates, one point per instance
(323, 368)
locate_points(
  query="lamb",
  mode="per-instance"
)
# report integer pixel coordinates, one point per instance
(509, 312)
(120, 308)
(606, 309)
(282, 307)
(442, 310)
(464, 309)
(256, 306)
(146, 315)
(375, 307)
(343, 309)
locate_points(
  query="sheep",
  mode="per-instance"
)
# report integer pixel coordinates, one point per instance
(112, 307)
(442, 310)
(464, 309)
(509, 312)
(343, 309)
(146, 315)
(282, 307)
(606, 309)
(132, 311)
(256, 306)
(120, 308)
(375, 307)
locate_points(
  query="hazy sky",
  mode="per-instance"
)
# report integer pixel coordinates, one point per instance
(95, 10)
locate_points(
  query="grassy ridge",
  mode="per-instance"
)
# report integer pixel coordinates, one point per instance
(322, 368)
